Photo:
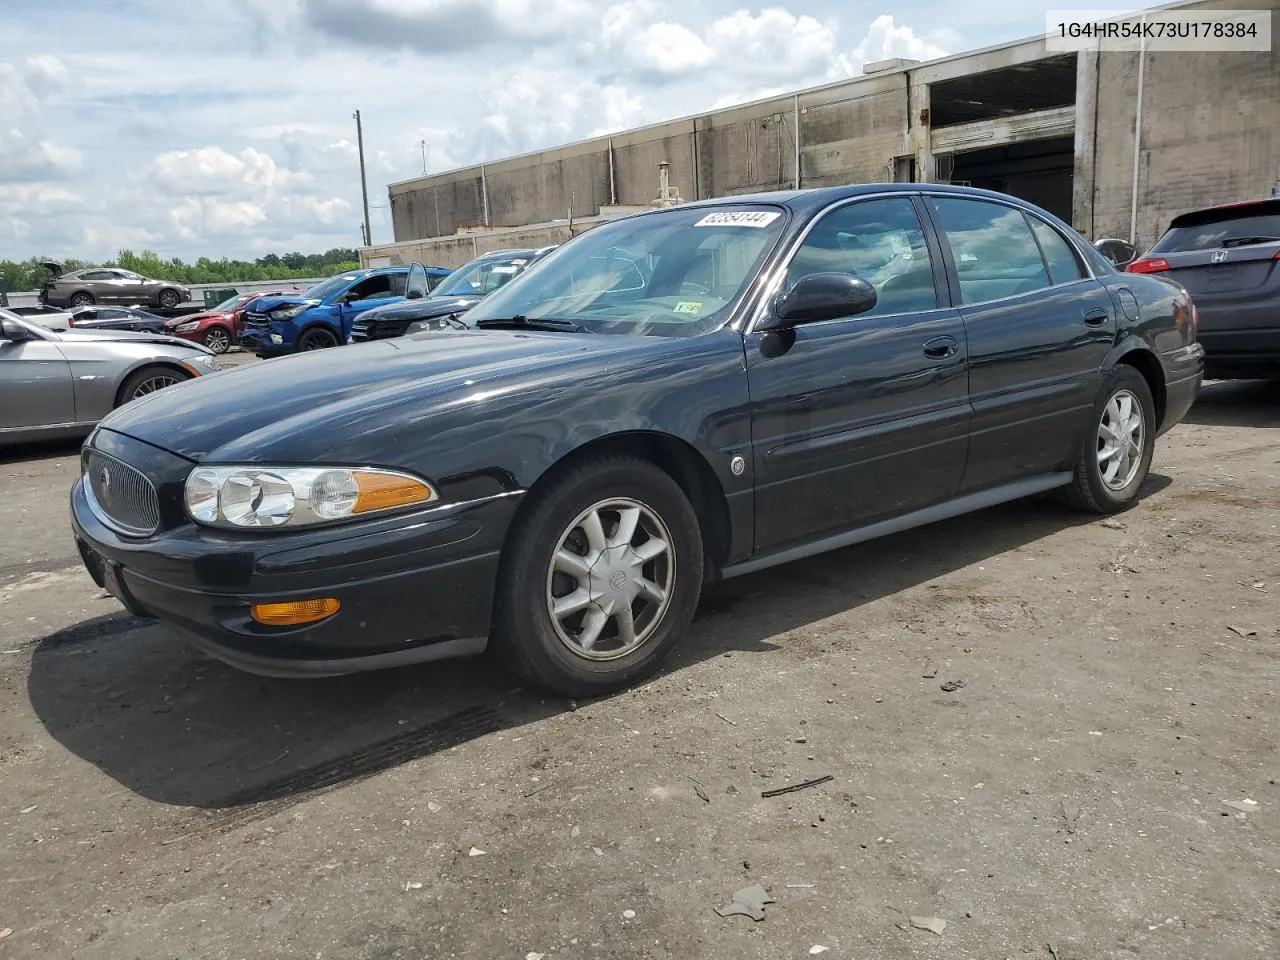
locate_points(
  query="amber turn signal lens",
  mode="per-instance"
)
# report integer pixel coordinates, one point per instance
(378, 491)
(294, 613)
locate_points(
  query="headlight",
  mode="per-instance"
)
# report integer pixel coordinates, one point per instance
(186, 327)
(201, 364)
(250, 496)
(287, 313)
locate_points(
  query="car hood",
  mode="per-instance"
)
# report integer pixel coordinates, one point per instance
(267, 304)
(83, 335)
(423, 309)
(312, 404)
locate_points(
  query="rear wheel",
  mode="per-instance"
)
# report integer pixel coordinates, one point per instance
(317, 339)
(169, 298)
(1115, 456)
(81, 299)
(148, 381)
(599, 579)
(217, 339)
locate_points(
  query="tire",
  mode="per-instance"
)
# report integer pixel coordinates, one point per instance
(1109, 484)
(217, 339)
(82, 299)
(148, 380)
(550, 651)
(169, 298)
(317, 338)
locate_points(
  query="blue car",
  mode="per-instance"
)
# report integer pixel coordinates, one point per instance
(322, 316)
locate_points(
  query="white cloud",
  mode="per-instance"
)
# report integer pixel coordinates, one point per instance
(776, 43)
(669, 48)
(886, 40)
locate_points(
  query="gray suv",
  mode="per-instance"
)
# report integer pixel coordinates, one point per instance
(81, 288)
(1228, 259)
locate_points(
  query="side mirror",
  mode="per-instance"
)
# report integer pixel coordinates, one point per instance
(821, 296)
(1119, 252)
(14, 332)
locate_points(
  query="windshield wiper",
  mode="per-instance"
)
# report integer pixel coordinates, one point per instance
(521, 322)
(1248, 241)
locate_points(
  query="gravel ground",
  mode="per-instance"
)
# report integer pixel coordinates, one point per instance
(1082, 793)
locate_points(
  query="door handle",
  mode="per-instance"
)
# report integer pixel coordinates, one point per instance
(939, 348)
(1096, 318)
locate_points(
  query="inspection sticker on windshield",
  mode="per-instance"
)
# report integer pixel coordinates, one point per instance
(688, 306)
(761, 219)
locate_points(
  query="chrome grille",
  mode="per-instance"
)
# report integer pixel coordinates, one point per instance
(124, 497)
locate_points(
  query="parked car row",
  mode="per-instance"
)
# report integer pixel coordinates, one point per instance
(684, 395)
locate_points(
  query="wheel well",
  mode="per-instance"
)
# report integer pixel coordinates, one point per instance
(1146, 364)
(154, 365)
(682, 463)
(318, 325)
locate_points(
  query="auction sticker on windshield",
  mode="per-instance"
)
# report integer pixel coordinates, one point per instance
(761, 219)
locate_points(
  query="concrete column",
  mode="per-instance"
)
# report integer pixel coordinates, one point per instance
(1086, 142)
(918, 121)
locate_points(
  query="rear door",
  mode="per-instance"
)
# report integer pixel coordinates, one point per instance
(1228, 259)
(1038, 326)
(865, 416)
(35, 380)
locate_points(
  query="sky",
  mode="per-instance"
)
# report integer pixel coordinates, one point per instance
(225, 129)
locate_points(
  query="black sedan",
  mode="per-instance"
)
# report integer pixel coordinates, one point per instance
(799, 371)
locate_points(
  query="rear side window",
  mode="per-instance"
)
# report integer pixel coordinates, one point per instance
(995, 253)
(1064, 266)
(1233, 232)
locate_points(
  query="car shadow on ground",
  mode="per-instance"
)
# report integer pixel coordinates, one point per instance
(1237, 403)
(179, 728)
(19, 453)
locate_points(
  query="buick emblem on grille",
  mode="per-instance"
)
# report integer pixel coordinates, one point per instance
(104, 479)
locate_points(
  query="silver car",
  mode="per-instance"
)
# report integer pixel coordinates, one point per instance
(112, 285)
(55, 384)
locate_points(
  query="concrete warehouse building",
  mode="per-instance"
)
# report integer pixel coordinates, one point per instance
(1116, 143)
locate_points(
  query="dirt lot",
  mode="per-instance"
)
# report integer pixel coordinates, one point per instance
(1119, 685)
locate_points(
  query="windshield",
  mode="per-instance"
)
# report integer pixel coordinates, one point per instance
(480, 277)
(230, 304)
(1239, 231)
(327, 288)
(674, 273)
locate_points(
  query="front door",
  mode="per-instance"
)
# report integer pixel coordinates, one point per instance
(867, 416)
(417, 285)
(1039, 329)
(36, 379)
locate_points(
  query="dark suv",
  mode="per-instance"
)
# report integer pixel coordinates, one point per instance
(1228, 259)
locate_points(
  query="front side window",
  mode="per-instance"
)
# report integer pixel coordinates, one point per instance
(994, 251)
(329, 288)
(480, 277)
(378, 285)
(675, 272)
(879, 241)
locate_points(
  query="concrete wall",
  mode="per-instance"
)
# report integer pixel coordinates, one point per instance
(1210, 133)
(456, 250)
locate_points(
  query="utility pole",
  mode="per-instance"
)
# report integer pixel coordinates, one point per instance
(424, 158)
(364, 186)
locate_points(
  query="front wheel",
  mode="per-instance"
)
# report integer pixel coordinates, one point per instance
(148, 381)
(599, 579)
(169, 299)
(1115, 456)
(217, 339)
(317, 339)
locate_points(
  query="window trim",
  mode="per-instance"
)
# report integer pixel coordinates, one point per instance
(1032, 219)
(776, 274)
(954, 275)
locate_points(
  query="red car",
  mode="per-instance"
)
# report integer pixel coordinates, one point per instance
(220, 327)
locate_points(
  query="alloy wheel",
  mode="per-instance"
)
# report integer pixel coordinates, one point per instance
(155, 382)
(217, 340)
(1120, 440)
(610, 579)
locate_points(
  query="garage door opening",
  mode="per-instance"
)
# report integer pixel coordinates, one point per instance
(1026, 88)
(1038, 171)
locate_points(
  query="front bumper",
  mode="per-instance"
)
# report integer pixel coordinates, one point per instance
(412, 588)
(266, 340)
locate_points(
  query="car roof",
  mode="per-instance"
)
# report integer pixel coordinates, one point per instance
(1227, 211)
(505, 254)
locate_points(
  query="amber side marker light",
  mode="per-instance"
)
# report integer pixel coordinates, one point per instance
(294, 613)
(381, 492)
